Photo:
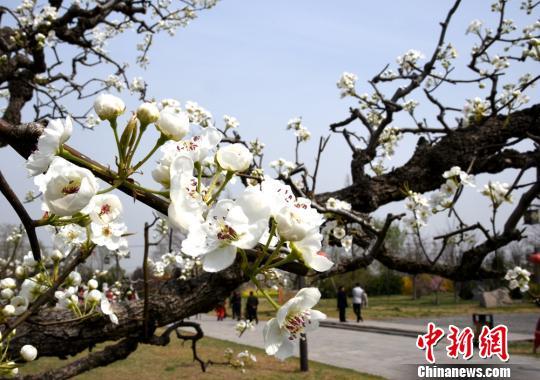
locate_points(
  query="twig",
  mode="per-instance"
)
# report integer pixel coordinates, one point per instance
(27, 222)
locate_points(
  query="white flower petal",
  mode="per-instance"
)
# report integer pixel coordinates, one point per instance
(219, 259)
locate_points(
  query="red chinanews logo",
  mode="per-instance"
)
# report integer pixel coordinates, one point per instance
(491, 342)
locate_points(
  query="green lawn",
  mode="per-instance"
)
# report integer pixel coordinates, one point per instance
(522, 348)
(398, 306)
(175, 361)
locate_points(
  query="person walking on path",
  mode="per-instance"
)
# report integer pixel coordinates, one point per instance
(342, 303)
(359, 297)
(251, 308)
(236, 305)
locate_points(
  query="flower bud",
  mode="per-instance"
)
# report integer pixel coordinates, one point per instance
(56, 255)
(8, 310)
(8, 282)
(234, 157)
(28, 352)
(108, 107)
(94, 296)
(93, 284)
(7, 293)
(174, 125)
(148, 113)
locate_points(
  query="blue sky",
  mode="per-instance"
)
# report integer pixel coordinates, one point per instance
(265, 62)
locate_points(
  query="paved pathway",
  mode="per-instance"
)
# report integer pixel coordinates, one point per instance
(378, 354)
(414, 327)
(523, 323)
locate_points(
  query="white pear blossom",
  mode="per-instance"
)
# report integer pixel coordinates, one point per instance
(293, 318)
(336, 204)
(347, 243)
(497, 192)
(518, 278)
(20, 304)
(309, 249)
(115, 81)
(339, 232)
(67, 188)
(51, 139)
(346, 84)
(243, 326)
(67, 299)
(173, 124)
(74, 279)
(297, 219)
(228, 226)
(475, 110)
(68, 237)
(105, 208)
(187, 205)
(108, 235)
(409, 60)
(198, 148)
(474, 27)
(198, 115)
(458, 174)
(108, 107)
(106, 309)
(137, 84)
(234, 157)
(282, 166)
(230, 122)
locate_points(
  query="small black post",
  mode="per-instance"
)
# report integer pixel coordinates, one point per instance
(304, 367)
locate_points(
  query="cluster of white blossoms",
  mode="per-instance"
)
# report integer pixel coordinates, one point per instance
(194, 170)
(242, 360)
(243, 326)
(83, 299)
(336, 204)
(518, 278)
(475, 110)
(499, 63)
(440, 200)
(420, 207)
(272, 278)
(497, 192)
(455, 177)
(347, 83)
(408, 61)
(115, 82)
(198, 115)
(389, 139)
(334, 230)
(446, 55)
(282, 166)
(512, 97)
(301, 132)
(256, 147)
(174, 261)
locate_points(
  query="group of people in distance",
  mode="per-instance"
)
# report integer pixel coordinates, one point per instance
(235, 301)
(359, 300)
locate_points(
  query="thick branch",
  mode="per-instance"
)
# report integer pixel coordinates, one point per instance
(482, 144)
(110, 354)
